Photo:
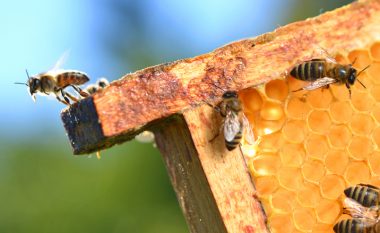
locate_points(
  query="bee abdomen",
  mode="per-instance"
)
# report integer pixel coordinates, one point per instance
(350, 226)
(309, 71)
(364, 195)
(71, 78)
(234, 143)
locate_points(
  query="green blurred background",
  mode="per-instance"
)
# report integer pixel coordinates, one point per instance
(43, 187)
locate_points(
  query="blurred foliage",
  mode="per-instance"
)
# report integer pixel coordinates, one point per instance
(45, 190)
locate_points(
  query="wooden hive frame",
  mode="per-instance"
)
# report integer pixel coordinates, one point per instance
(213, 186)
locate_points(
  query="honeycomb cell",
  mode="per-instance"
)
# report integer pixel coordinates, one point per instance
(356, 173)
(374, 71)
(316, 146)
(294, 131)
(266, 185)
(319, 121)
(281, 223)
(323, 228)
(360, 147)
(376, 113)
(297, 109)
(296, 84)
(374, 163)
(313, 170)
(332, 186)
(362, 101)
(375, 92)
(281, 201)
(272, 111)
(340, 92)
(375, 51)
(341, 59)
(267, 141)
(289, 177)
(341, 112)
(251, 99)
(264, 127)
(328, 211)
(320, 98)
(339, 136)
(308, 195)
(331, 163)
(292, 155)
(376, 136)
(277, 89)
(304, 219)
(359, 58)
(362, 124)
(266, 164)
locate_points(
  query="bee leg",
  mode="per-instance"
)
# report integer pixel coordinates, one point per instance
(65, 97)
(82, 93)
(349, 89)
(62, 101)
(70, 96)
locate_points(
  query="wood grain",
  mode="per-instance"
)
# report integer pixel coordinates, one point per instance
(213, 185)
(145, 97)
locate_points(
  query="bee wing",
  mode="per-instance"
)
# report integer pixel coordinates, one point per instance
(327, 55)
(231, 126)
(248, 133)
(319, 83)
(62, 59)
(358, 211)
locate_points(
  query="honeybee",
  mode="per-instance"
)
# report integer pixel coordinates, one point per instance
(370, 215)
(365, 194)
(55, 81)
(323, 72)
(100, 84)
(235, 123)
(145, 137)
(356, 226)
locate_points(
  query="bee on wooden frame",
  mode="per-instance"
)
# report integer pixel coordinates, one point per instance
(235, 124)
(55, 81)
(100, 84)
(322, 72)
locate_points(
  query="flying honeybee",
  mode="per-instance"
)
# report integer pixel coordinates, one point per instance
(323, 72)
(356, 226)
(235, 125)
(55, 81)
(365, 194)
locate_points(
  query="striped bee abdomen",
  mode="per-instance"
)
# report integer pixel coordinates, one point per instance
(350, 226)
(365, 195)
(71, 78)
(235, 142)
(309, 70)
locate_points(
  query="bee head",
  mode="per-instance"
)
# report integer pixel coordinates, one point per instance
(230, 94)
(351, 76)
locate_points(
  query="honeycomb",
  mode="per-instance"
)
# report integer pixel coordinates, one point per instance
(311, 145)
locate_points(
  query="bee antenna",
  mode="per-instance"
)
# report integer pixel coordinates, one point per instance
(361, 83)
(22, 84)
(27, 74)
(356, 58)
(363, 70)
